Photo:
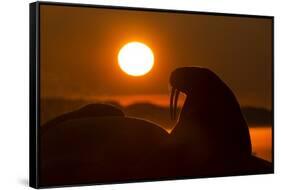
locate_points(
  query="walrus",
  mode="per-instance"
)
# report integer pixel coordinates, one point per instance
(211, 129)
(99, 143)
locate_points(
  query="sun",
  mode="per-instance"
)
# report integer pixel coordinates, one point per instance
(135, 59)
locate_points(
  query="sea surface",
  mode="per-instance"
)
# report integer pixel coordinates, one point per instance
(261, 138)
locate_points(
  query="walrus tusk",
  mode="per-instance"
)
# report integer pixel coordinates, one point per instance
(176, 103)
(173, 102)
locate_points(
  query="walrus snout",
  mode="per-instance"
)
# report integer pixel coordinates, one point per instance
(189, 80)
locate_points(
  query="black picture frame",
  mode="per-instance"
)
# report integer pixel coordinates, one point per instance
(34, 94)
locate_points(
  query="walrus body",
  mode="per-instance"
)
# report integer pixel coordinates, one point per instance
(211, 128)
(100, 149)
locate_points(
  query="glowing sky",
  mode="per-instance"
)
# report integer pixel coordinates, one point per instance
(79, 48)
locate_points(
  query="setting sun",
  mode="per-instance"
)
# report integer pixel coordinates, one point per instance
(135, 59)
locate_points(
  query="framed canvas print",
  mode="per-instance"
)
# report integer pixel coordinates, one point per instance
(121, 94)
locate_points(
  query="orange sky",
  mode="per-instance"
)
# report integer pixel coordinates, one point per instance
(79, 48)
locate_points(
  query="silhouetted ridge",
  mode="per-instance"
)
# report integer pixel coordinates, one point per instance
(52, 108)
(257, 116)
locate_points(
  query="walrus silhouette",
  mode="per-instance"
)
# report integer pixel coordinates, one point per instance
(98, 143)
(211, 128)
